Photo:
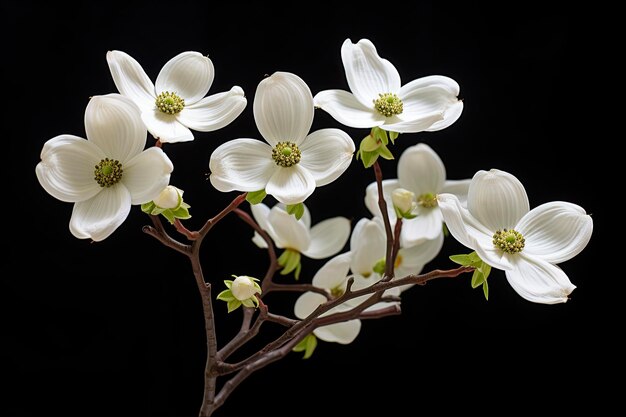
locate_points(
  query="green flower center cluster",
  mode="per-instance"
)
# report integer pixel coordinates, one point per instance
(170, 103)
(427, 200)
(510, 241)
(108, 172)
(388, 104)
(286, 154)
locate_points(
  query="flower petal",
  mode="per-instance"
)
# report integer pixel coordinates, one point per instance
(347, 110)
(470, 232)
(426, 226)
(260, 212)
(66, 169)
(307, 303)
(421, 170)
(555, 232)
(371, 198)
(289, 232)
(459, 188)
(189, 75)
(147, 174)
(283, 108)
(334, 273)
(291, 185)
(418, 124)
(343, 333)
(435, 94)
(539, 281)
(131, 80)
(328, 237)
(367, 73)
(497, 199)
(368, 247)
(99, 216)
(326, 154)
(241, 164)
(214, 112)
(113, 122)
(165, 127)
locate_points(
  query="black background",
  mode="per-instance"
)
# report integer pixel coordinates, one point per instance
(115, 328)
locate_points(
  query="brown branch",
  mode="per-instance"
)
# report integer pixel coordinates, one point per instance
(296, 288)
(180, 227)
(282, 320)
(396, 247)
(240, 338)
(385, 215)
(158, 232)
(214, 220)
(392, 310)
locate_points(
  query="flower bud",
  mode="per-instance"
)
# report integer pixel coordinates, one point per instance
(403, 200)
(169, 198)
(244, 287)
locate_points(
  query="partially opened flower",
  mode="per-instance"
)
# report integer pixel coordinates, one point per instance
(321, 241)
(379, 99)
(421, 171)
(498, 225)
(292, 162)
(332, 277)
(107, 173)
(176, 103)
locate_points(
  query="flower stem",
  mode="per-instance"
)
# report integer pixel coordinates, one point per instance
(383, 210)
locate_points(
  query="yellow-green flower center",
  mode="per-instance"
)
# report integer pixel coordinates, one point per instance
(286, 154)
(388, 104)
(336, 292)
(170, 103)
(427, 200)
(509, 241)
(108, 172)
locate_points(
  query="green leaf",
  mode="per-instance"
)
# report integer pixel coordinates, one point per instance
(233, 305)
(255, 197)
(147, 207)
(393, 136)
(248, 303)
(368, 158)
(385, 152)
(369, 144)
(461, 259)
(289, 260)
(296, 274)
(169, 216)
(486, 270)
(296, 209)
(477, 278)
(486, 290)
(379, 267)
(229, 282)
(181, 213)
(226, 295)
(306, 345)
(474, 258)
(380, 135)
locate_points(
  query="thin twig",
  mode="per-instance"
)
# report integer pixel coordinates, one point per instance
(214, 220)
(385, 215)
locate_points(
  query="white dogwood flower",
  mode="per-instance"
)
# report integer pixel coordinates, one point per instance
(421, 171)
(379, 99)
(106, 173)
(332, 277)
(176, 103)
(525, 243)
(321, 241)
(292, 162)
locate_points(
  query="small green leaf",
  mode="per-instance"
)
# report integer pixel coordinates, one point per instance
(147, 207)
(380, 135)
(296, 209)
(181, 213)
(229, 282)
(486, 270)
(486, 290)
(369, 144)
(306, 345)
(393, 136)
(255, 197)
(379, 267)
(477, 278)
(289, 260)
(474, 258)
(248, 303)
(233, 305)
(461, 259)
(385, 152)
(368, 158)
(296, 273)
(169, 216)
(226, 295)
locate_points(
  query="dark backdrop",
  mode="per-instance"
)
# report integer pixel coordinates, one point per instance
(115, 328)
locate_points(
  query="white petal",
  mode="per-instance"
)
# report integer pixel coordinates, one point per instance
(497, 199)
(459, 188)
(147, 174)
(343, 333)
(326, 154)
(421, 170)
(470, 232)
(367, 73)
(113, 122)
(356, 232)
(347, 110)
(426, 96)
(241, 164)
(426, 226)
(371, 198)
(334, 273)
(538, 281)
(450, 115)
(555, 232)
(130, 79)
(66, 170)
(328, 237)
(361, 282)
(214, 112)
(165, 127)
(99, 216)
(410, 123)
(290, 233)
(291, 185)
(283, 108)
(188, 74)
(261, 212)
(307, 303)
(306, 217)
(368, 247)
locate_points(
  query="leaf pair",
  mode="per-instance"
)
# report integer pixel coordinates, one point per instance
(481, 270)
(375, 145)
